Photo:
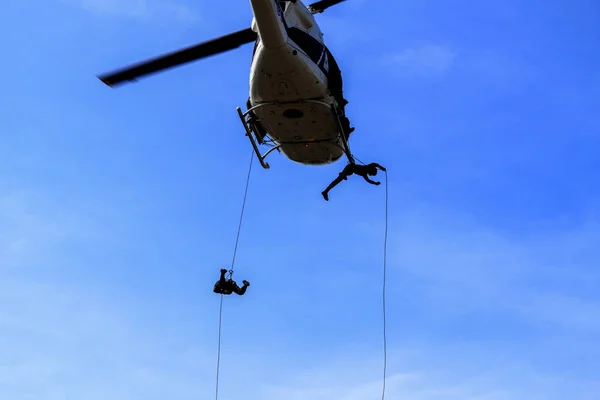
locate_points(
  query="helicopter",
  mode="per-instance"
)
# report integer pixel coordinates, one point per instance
(295, 103)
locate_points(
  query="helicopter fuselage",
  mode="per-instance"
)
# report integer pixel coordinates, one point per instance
(291, 66)
(295, 101)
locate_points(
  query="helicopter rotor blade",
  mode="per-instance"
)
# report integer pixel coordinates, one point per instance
(183, 56)
(322, 5)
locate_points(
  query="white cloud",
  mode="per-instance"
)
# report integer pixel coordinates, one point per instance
(347, 33)
(66, 341)
(469, 267)
(23, 234)
(34, 225)
(497, 66)
(426, 61)
(493, 69)
(449, 381)
(139, 9)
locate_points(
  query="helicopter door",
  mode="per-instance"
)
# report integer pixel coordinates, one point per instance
(282, 5)
(309, 45)
(321, 56)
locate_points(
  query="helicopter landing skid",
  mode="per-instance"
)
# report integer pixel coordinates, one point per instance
(250, 129)
(247, 119)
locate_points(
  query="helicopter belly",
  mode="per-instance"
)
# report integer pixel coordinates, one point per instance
(284, 78)
(307, 133)
(285, 74)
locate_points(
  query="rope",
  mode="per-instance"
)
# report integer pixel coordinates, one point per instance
(358, 159)
(219, 349)
(384, 287)
(385, 236)
(237, 239)
(383, 294)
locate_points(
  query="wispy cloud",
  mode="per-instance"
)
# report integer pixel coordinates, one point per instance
(139, 9)
(68, 343)
(74, 342)
(108, 296)
(23, 234)
(546, 278)
(448, 380)
(425, 61)
(34, 227)
(347, 33)
(499, 70)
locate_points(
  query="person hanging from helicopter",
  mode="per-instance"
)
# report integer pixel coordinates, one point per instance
(353, 168)
(227, 285)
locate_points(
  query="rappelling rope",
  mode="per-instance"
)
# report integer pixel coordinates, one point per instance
(237, 239)
(219, 349)
(383, 294)
(383, 289)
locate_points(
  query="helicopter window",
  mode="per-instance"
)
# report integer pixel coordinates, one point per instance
(255, 45)
(311, 46)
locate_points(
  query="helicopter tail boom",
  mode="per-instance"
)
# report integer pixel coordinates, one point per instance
(268, 21)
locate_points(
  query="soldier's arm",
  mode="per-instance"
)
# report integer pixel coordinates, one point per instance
(370, 181)
(379, 166)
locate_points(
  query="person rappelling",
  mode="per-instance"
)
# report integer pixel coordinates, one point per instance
(228, 285)
(352, 168)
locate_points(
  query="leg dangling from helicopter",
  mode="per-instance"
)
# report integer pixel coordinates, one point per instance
(227, 285)
(353, 168)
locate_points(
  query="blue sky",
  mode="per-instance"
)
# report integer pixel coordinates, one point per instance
(119, 207)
